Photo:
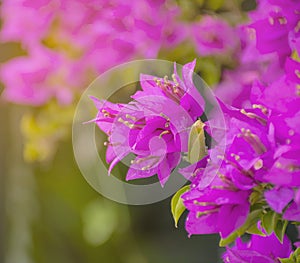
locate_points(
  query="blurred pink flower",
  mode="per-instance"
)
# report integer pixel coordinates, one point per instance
(69, 42)
(41, 75)
(213, 36)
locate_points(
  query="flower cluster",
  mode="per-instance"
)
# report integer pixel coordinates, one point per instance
(154, 127)
(254, 182)
(70, 42)
(259, 249)
(249, 180)
(258, 177)
(266, 43)
(260, 165)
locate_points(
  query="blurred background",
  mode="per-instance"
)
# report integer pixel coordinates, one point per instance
(48, 212)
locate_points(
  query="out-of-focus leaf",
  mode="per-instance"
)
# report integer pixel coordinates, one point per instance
(200, 2)
(100, 220)
(210, 70)
(190, 9)
(196, 145)
(177, 206)
(182, 53)
(214, 4)
(295, 56)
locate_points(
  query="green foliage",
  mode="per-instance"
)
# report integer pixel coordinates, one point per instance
(273, 222)
(192, 9)
(280, 228)
(257, 195)
(286, 260)
(196, 144)
(269, 221)
(182, 53)
(101, 218)
(210, 70)
(295, 56)
(254, 230)
(177, 206)
(214, 4)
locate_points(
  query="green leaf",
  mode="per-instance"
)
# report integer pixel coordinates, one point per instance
(269, 221)
(286, 260)
(196, 145)
(255, 197)
(296, 255)
(177, 206)
(297, 252)
(231, 238)
(254, 230)
(280, 229)
(295, 56)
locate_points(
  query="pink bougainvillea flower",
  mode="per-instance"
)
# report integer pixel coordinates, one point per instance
(259, 249)
(208, 208)
(213, 36)
(154, 127)
(87, 37)
(34, 79)
(277, 18)
(263, 57)
(262, 148)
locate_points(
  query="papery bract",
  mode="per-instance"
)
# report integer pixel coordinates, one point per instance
(154, 127)
(259, 249)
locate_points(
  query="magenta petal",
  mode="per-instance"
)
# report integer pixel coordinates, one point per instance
(138, 173)
(187, 75)
(153, 128)
(297, 197)
(242, 181)
(110, 154)
(157, 146)
(245, 256)
(292, 213)
(259, 249)
(148, 83)
(164, 172)
(206, 224)
(271, 246)
(236, 215)
(279, 198)
(173, 159)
